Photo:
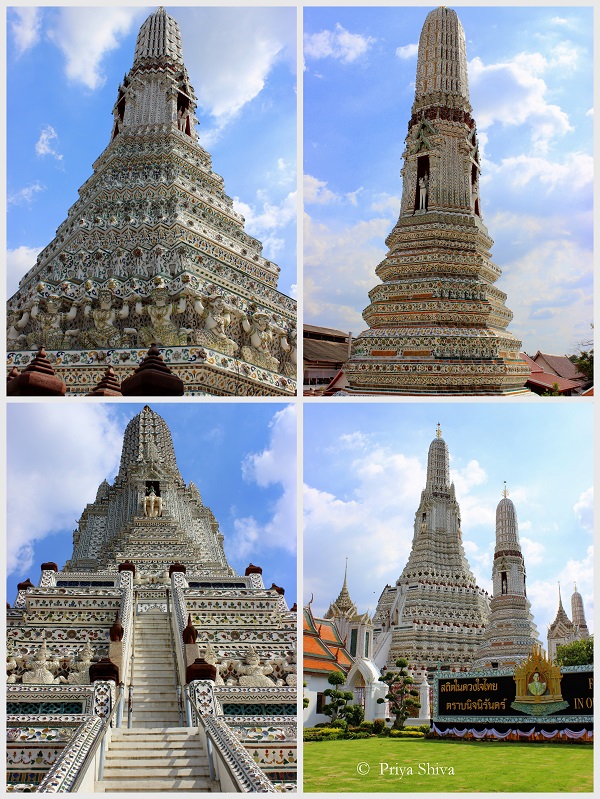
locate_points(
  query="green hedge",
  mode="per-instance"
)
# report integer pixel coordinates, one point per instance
(406, 734)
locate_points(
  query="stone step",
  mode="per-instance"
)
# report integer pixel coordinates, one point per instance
(139, 749)
(161, 733)
(154, 718)
(127, 770)
(153, 667)
(153, 785)
(163, 705)
(142, 758)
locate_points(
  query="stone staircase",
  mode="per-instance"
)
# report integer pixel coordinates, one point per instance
(152, 673)
(147, 760)
(155, 754)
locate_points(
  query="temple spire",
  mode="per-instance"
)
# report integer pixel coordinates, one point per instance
(442, 62)
(510, 632)
(437, 324)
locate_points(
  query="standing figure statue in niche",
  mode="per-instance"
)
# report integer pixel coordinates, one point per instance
(423, 190)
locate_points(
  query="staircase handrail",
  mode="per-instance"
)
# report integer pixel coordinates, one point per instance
(248, 777)
(174, 653)
(99, 742)
(131, 660)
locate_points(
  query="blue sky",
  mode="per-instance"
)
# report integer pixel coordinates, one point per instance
(240, 456)
(530, 78)
(64, 66)
(365, 467)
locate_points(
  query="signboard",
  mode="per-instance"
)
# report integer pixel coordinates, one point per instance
(501, 696)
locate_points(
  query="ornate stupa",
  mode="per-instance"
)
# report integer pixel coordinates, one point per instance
(564, 631)
(148, 601)
(435, 613)
(578, 613)
(437, 323)
(356, 629)
(154, 252)
(510, 633)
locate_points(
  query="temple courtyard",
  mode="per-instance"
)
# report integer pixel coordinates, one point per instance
(379, 765)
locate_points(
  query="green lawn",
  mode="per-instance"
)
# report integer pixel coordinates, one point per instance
(479, 766)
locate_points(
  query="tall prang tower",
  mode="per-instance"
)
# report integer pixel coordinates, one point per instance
(154, 252)
(437, 323)
(149, 634)
(510, 633)
(435, 614)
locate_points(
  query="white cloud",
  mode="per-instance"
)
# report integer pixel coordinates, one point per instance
(574, 174)
(339, 270)
(264, 221)
(25, 24)
(86, 35)
(534, 552)
(45, 145)
(514, 93)
(235, 60)
(584, 510)
(25, 195)
(339, 44)
(549, 291)
(407, 51)
(275, 465)
(73, 453)
(316, 192)
(18, 262)
(564, 56)
(381, 505)
(543, 594)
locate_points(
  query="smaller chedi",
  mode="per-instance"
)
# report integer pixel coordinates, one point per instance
(437, 322)
(563, 631)
(510, 632)
(153, 252)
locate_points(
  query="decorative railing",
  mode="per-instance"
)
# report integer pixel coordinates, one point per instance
(222, 745)
(72, 765)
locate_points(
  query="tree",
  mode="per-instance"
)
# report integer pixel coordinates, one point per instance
(337, 699)
(401, 695)
(552, 392)
(577, 653)
(354, 715)
(585, 363)
(584, 360)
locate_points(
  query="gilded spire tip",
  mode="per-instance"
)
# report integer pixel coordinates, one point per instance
(438, 431)
(505, 492)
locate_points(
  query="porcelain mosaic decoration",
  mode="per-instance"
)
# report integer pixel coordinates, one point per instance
(437, 323)
(148, 565)
(153, 251)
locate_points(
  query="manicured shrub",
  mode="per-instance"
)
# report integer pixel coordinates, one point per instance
(341, 724)
(405, 734)
(379, 726)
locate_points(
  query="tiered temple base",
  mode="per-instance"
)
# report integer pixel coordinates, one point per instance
(203, 371)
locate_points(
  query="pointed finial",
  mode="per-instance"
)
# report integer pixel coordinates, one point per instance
(438, 431)
(574, 585)
(346, 572)
(505, 492)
